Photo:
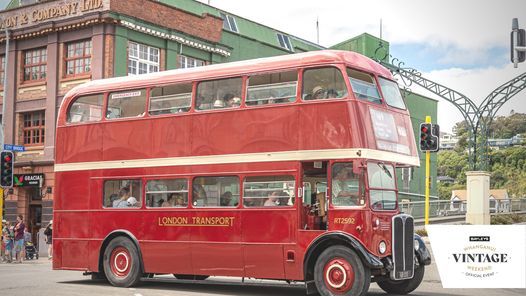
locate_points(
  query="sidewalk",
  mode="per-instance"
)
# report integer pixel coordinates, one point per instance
(24, 262)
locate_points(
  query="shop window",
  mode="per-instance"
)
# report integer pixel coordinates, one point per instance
(184, 62)
(35, 64)
(126, 104)
(122, 194)
(142, 59)
(218, 94)
(86, 109)
(229, 22)
(284, 42)
(272, 88)
(168, 193)
(176, 98)
(215, 192)
(323, 83)
(268, 191)
(34, 128)
(78, 58)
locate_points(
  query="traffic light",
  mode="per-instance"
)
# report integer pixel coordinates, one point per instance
(429, 134)
(6, 169)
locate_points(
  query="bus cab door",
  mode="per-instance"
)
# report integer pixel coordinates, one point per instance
(312, 207)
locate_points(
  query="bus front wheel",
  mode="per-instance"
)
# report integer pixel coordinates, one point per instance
(121, 262)
(405, 286)
(339, 271)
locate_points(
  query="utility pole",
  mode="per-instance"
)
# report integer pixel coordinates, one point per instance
(518, 43)
(4, 97)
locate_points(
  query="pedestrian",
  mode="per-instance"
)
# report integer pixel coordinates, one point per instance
(7, 238)
(28, 240)
(19, 237)
(48, 232)
(2, 244)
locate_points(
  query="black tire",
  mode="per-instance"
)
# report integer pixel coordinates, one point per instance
(334, 259)
(121, 262)
(405, 286)
(191, 277)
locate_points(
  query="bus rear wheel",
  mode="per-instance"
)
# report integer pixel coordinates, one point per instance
(122, 266)
(339, 271)
(405, 286)
(191, 277)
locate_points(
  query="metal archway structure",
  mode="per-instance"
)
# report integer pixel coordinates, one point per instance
(478, 118)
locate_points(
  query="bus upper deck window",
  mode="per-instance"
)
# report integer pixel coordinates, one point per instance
(86, 109)
(130, 103)
(391, 93)
(274, 88)
(169, 99)
(323, 83)
(364, 86)
(219, 94)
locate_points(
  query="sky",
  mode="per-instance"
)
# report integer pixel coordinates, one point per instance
(462, 44)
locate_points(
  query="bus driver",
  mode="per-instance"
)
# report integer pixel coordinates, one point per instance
(341, 185)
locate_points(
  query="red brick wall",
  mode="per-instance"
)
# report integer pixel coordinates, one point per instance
(207, 27)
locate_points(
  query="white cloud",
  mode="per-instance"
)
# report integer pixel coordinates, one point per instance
(466, 24)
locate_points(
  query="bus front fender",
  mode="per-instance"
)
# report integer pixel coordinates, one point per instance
(333, 238)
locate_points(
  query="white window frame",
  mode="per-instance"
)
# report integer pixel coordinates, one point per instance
(136, 58)
(189, 62)
(230, 21)
(284, 42)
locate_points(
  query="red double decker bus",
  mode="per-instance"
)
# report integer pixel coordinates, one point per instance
(277, 168)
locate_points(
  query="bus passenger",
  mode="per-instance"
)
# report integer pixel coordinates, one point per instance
(318, 93)
(169, 202)
(283, 199)
(231, 101)
(225, 199)
(132, 202)
(198, 195)
(272, 200)
(122, 202)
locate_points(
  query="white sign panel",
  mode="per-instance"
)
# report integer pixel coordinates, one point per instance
(480, 256)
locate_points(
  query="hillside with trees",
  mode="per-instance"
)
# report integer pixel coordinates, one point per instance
(507, 165)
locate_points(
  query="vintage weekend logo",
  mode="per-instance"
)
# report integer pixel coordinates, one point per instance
(479, 256)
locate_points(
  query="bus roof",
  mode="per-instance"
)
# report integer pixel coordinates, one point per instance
(234, 69)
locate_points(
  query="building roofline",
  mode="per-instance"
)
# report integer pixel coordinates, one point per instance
(258, 24)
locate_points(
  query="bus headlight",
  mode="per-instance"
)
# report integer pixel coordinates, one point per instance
(382, 247)
(417, 245)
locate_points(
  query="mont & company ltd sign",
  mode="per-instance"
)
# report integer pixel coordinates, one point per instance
(53, 10)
